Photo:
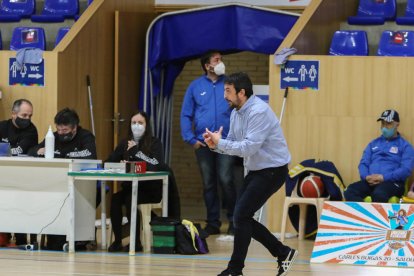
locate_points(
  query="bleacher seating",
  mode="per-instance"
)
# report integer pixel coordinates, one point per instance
(349, 43)
(61, 33)
(408, 18)
(374, 12)
(399, 43)
(24, 37)
(57, 11)
(14, 11)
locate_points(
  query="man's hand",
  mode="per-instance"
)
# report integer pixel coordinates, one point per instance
(198, 145)
(374, 179)
(212, 138)
(41, 151)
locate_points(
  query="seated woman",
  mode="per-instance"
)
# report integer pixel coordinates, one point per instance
(140, 146)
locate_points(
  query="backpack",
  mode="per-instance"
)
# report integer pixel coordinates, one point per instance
(190, 239)
(333, 184)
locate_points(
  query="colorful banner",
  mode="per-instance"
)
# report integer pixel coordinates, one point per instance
(379, 234)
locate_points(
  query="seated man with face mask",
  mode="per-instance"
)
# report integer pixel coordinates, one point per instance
(21, 134)
(386, 163)
(71, 142)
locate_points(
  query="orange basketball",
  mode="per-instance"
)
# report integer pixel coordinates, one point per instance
(312, 186)
(4, 239)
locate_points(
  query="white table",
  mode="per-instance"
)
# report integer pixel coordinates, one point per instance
(34, 197)
(103, 176)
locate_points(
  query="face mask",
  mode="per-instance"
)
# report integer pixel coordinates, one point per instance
(387, 132)
(65, 137)
(137, 130)
(22, 123)
(220, 69)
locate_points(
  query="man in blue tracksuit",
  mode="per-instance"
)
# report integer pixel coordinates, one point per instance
(385, 165)
(204, 107)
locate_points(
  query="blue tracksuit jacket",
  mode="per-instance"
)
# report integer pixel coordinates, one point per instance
(204, 107)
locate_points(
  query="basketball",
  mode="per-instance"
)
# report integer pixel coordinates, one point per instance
(311, 186)
(4, 239)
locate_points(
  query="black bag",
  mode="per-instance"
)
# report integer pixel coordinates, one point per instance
(185, 243)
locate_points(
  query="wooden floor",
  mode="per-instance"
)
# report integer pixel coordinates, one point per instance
(259, 263)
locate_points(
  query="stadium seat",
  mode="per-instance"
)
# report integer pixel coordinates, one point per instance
(13, 11)
(374, 12)
(408, 18)
(57, 11)
(349, 43)
(61, 33)
(396, 43)
(24, 37)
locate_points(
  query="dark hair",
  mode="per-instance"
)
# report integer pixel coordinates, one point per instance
(18, 103)
(240, 81)
(205, 59)
(146, 140)
(67, 117)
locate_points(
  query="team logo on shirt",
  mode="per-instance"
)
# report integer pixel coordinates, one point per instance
(147, 159)
(394, 150)
(77, 154)
(203, 93)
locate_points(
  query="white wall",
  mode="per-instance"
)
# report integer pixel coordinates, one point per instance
(250, 2)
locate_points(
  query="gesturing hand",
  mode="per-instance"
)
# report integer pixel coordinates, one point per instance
(212, 138)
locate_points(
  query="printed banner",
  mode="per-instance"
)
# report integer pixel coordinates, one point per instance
(379, 234)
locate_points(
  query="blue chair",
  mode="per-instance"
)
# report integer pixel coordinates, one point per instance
(57, 11)
(61, 33)
(408, 18)
(374, 12)
(13, 11)
(349, 43)
(24, 37)
(399, 43)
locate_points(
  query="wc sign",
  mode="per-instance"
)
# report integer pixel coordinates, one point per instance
(26, 74)
(300, 74)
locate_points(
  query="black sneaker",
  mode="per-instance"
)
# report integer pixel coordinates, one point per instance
(286, 264)
(212, 230)
(230, 272)
(115, 247)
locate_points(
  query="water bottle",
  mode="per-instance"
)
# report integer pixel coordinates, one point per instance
(49, 144)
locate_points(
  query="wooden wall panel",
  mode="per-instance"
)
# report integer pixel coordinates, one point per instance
(337, 121)
(91, 52)
(44, 99)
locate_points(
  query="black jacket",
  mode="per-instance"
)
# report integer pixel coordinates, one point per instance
(82, 146)
(21, 140)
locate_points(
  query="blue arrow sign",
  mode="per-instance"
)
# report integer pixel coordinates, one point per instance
(300, 74)
(28, 74)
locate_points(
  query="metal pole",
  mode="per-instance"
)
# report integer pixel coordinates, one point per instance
(88, 83)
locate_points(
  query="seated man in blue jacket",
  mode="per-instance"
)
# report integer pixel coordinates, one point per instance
(386, 163)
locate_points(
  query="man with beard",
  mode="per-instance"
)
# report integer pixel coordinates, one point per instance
(204, 107)
(71, 142)
(255, 134)
(21, 134)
